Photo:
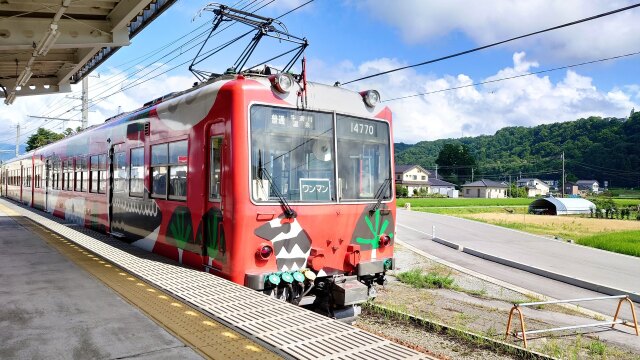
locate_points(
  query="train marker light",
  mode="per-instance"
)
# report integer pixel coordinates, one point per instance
(264, 252)
(297, 276)
(281, 82)
(370, 97)
(286, 277)
(385, 240)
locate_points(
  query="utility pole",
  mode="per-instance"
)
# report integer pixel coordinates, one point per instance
(436, 171)
(17, 140)
(563, 174)
(510, 191)
(471, 174)
(85, 102)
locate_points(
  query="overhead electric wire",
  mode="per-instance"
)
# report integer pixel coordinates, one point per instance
(514, 77)
(496, 43)
(138, 82)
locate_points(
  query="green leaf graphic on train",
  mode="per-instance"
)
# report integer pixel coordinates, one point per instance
(215, 244)
(376, 230)
(180, 231)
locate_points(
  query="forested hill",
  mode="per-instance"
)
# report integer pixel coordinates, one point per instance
(595, 148)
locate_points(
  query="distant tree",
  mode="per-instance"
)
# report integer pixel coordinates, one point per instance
(517, 192)
(42, 137)
(456, 161)
(68, 132)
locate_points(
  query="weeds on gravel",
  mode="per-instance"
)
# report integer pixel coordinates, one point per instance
(430, 280)
(597, 348)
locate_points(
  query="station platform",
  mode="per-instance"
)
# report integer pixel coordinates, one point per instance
(53, 309)
(68, 292)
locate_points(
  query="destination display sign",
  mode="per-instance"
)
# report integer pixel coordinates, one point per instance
(292, 120)
(315, 189)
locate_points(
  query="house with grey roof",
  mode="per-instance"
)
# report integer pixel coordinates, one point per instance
(488, 189)
(438, 186)
(588, 186)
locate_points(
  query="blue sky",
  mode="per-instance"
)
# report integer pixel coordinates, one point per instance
(350, 38)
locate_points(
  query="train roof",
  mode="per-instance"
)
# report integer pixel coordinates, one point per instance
(320, 97)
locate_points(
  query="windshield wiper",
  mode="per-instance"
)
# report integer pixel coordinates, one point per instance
(263, 174)
(381, 194)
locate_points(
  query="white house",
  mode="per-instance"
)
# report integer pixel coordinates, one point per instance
(588, 186)
(485, 189)
(534, 187)
(414, 177)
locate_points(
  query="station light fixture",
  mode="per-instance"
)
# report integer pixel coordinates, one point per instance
(10, 98)
(47, 42)
(24, 77)
(371, 97)
(281, 82)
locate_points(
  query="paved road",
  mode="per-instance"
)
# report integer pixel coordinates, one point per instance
(572, 260)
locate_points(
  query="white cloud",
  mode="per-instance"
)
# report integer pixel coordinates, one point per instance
(484, 109)
(484, 22)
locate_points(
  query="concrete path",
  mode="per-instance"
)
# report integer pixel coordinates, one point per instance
(589, 268)
(51, 309)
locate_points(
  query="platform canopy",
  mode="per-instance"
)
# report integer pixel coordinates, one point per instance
(46, 45)
(561, 206)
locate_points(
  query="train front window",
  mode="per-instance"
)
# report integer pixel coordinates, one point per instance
(292, 155)
(364, 164)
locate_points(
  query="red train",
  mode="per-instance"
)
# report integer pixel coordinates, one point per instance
(277, 184)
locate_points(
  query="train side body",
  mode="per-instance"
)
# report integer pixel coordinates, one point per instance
(210, 215)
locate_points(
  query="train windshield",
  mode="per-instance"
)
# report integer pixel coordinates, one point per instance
(293, 157)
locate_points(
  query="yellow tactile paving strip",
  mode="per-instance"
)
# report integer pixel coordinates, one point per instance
(205, 335)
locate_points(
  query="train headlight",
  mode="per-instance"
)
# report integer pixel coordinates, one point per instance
(281, 82)
(264, 252)
(371, 97)
(385, 240)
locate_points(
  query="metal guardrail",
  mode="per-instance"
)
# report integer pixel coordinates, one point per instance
(524, 333)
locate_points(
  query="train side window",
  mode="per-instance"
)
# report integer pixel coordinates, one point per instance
(215, 166)
(94, 174)
(27, 177)
(82, 177)
(119, 172)
(159, 156)
(136, 173)
(102, 179)
(169, 161)
(68, 176)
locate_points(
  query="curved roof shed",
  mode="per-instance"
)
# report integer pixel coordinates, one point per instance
(561, 206)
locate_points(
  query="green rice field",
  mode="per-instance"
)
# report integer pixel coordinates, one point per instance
(624, 242)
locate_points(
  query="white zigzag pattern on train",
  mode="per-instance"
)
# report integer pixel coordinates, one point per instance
(139, 208)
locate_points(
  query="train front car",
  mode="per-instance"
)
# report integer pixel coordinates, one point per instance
(318, 214)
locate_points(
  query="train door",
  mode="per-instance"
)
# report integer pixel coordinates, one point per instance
(117, 186)
(47, 169)
(214, 245)
(111, 184)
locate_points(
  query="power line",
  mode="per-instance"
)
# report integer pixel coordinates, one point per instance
(496, 43)
(515, 76)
